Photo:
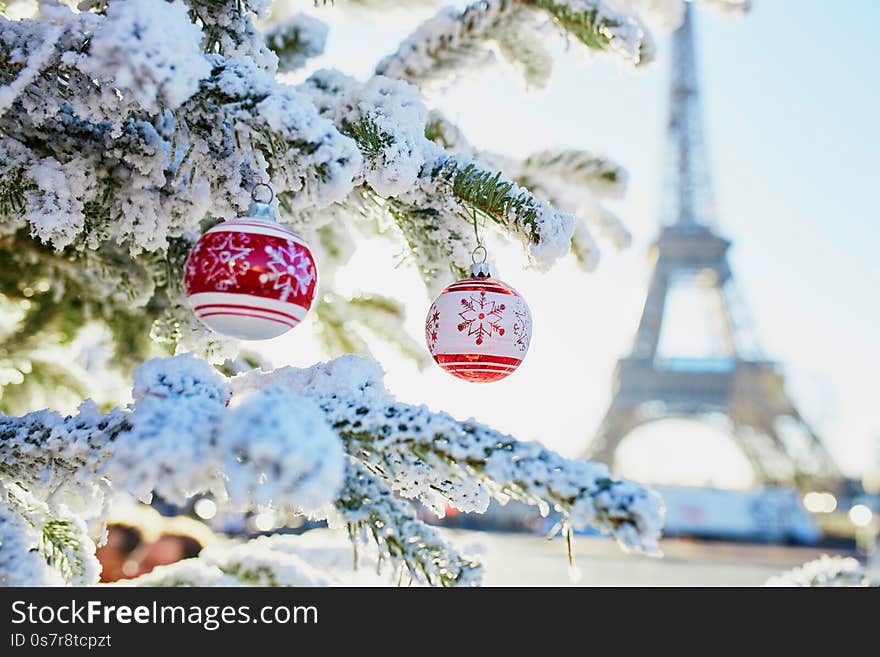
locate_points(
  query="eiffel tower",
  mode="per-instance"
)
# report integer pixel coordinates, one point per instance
(736, 381)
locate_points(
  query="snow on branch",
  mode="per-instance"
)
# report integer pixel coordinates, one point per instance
(147, 51)
(21, 561)
(128, 131)
(727, 6)
(571, 180)
(292, 560)
(433, 457)
(434, 194)
(295, 40)
(826, 571)
(595, 24)
(54, 458)
(280, 439)
(372, 514)
(40, 548)
(576, 180)
(466, 186)
(577, 167)
(456, 41)
(452, 42)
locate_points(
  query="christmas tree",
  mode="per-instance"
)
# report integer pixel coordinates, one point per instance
(128, 128)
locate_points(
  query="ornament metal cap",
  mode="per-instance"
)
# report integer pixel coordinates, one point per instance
(262, 209)
(480, 268)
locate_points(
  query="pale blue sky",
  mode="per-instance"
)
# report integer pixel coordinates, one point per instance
(792, 104)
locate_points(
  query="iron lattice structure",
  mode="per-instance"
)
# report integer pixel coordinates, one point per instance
(739, 383)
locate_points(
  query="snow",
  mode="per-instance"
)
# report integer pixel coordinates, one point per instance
(259, 563)
(327, 439)
(419, 452)
(55, 212)
(149, 51)
(825, 571)
(307, 33)
(664, 15)
(187, 572)
(455, 42)
(34, 62)
(20, 563)
(619, 23)
(26, 527)
(450, 41)
(279, 448)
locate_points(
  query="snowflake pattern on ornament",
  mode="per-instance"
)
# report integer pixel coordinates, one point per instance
(522, 326)
(292, 270)
(432, 327)
(223, 260)
(481, 317)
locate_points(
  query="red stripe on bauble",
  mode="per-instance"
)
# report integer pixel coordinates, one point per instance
(479, 377)
(476, 359)
(243, 307)
(251, 315)
(479, 286)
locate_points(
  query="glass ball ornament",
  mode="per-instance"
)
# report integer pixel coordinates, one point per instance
(251, 278)
(479, 328)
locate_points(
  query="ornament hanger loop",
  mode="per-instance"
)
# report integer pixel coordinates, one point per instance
(479, 250)
(255, 192)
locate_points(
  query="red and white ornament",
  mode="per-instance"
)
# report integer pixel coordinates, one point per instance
(479, 328)
(250, 278)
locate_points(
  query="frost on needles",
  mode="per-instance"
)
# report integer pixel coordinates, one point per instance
(127, 128)
(328, 441)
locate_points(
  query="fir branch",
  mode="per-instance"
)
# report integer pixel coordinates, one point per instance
(371, 140)
(14, 184)
(438, 459)
(21, 562)
(431, 240)
(372, 513)
(344, 324)
(576, 168)
(583, 492)
(44, 451)
(451, 42)
(460, 41)
(599, 27)
(64, 543)
(826, 571)
(490, 194)
(296, 40)
(61, 547)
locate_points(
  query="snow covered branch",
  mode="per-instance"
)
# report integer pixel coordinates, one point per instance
(727, 6)
(572, 180)
(295, 40)
(432, 457)
(825, 571)
(372, 513)
(455, 42)
(432, 194)
(280, 439)
(580, 168)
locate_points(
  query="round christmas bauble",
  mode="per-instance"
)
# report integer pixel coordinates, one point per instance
(250, 278)
(479, 329)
